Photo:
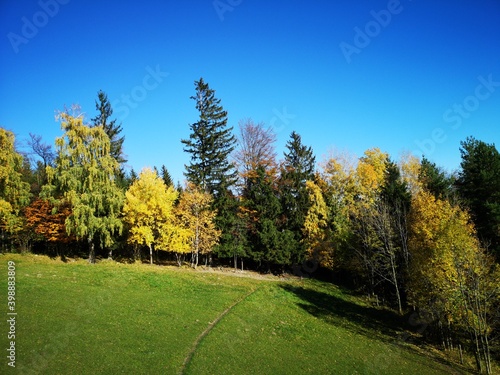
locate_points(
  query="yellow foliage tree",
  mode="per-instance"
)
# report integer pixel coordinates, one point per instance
(450, 275)
(315, 228)
(196, 215)
(370, 173)
(14, 193)
(149, 212)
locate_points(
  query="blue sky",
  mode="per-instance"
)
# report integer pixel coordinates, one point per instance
(409, 75)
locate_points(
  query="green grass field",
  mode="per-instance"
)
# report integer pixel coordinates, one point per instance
(110, 318)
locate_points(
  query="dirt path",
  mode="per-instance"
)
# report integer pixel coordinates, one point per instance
(208, 329)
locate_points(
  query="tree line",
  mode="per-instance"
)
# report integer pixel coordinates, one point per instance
(405, 232)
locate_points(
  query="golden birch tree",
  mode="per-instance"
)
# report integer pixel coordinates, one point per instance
(149, 212)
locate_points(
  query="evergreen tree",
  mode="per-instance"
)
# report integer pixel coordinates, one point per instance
(210, 144)
(434, 179)
(479, 186)
(111, 128)
(267, 242)
(297, 168)
(165, 175)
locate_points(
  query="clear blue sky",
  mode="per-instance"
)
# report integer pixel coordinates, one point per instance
(346, 74)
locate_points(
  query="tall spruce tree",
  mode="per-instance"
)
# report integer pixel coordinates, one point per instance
(297, 168)
(111, 128)
(210, 143)
(479, 186)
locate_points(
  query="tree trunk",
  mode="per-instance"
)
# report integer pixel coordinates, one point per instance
(91, 251)
(150, 254)
(110, 254)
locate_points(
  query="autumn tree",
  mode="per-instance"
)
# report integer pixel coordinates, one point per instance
(451, 276)
(316, 236)
(49, 222)
(256, 148)
(149, 213)
(196, 214)
(14, 192)
(83, 177)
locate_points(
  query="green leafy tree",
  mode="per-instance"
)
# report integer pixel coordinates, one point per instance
(84, 176)
(478, 184)
(14, 192)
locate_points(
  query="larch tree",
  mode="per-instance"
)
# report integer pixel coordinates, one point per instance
(196, 214)
(14, 192)
(316, 230)
(149, 213)
(84, 177)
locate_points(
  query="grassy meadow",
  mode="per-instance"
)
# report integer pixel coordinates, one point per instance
(112, 318)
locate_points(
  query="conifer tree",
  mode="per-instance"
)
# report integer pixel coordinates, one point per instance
(210, 143)
(83, 176)
(479, 186)
(297, 168)
(14, 192)
(111, 128)
(165, 175)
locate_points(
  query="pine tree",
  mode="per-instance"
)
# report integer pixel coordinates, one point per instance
(111, 128)
(210, 144)
(267, 242)
(479, 186)
(434, 179)
(165, 175)
(297, 168)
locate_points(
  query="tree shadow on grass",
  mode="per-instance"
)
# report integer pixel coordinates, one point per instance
(382, 324)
